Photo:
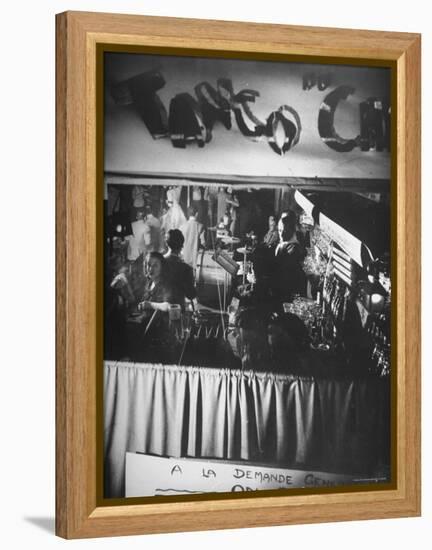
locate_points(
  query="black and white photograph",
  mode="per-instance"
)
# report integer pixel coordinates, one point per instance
(247, 275)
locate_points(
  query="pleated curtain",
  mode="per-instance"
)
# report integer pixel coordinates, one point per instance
(281, 420)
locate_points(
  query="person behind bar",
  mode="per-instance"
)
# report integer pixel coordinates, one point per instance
(289, 255)
(287, 336)
(181, 274)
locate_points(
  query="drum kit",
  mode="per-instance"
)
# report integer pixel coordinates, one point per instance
(223, 236)
(213, 282)
(227, 239)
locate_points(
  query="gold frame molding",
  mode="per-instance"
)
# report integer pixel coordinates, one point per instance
(79, 512)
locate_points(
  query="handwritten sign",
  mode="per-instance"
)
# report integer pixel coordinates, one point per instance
(157, 476)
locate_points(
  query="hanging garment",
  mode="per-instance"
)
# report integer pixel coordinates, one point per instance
(155, 237)
(196, 193)
(221, 204)
(193, 233)
(138, 193)
(139, 240)
(175, 217)
(211, 196)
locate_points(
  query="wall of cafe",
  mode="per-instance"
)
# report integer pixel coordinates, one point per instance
(129, 146)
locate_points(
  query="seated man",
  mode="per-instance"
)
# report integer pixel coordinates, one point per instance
(181, 274)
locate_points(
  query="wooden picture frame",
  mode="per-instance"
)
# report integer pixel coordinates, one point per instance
(78, 511)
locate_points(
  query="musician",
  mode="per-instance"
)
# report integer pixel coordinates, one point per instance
(181, 273)
(292, 217)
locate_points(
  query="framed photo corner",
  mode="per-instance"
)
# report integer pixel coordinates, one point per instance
(237, 274)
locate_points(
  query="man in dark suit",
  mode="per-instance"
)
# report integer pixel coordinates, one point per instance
(181, 274)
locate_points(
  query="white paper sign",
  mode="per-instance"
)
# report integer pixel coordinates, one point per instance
(304, 203)
(350, 244)
(157, 476)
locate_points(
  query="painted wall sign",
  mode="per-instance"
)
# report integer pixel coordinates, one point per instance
(250, 117)
(374, 123)
(321, 80)
(191, 119)
(158, 476)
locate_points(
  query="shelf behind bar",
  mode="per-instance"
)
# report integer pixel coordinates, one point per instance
(240, 181)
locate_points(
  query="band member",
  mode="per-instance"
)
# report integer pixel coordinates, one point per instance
(181, 273)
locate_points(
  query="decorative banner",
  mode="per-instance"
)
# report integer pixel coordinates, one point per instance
(148, 475)
(192, 119)
(357, 250)
(243, 118)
